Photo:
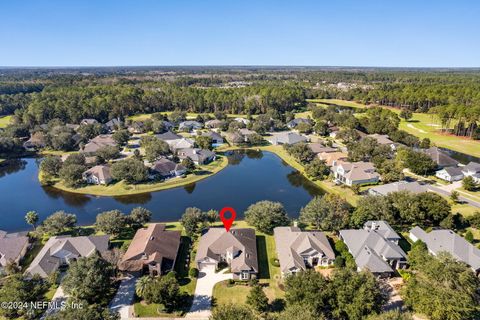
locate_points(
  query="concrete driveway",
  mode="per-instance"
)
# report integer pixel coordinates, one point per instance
(202, 299)
(123, 299)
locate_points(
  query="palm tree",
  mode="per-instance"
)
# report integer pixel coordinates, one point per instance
(32, 218)
(141, 284)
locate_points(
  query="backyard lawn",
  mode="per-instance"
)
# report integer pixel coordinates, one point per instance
(5, 121)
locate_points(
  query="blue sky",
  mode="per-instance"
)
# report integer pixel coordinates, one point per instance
(408, 33)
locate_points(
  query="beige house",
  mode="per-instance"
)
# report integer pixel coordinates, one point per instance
(13, 247)
(98, 142)
(237, 248)
(299, 250)
(331, 158)
(355, 173)
(98, 175)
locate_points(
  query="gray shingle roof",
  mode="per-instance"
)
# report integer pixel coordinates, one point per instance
(385, 189)
(168, 136)
(11, 247)
(440, 157)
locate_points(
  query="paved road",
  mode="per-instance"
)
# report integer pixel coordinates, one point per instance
(123, 299)
(202, 299)
(447, 193)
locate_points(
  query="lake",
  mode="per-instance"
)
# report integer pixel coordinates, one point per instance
(251, 176)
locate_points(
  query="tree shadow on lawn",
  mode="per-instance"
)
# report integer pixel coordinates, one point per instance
(262, 253)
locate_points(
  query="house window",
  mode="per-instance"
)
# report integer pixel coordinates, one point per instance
(244, 275)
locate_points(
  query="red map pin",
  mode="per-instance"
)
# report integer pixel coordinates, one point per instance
(227, 222)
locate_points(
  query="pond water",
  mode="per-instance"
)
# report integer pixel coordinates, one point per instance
(251, 176)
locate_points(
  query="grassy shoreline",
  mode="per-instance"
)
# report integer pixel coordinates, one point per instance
(122, 189)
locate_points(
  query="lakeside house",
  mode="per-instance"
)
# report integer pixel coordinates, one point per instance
(36, 141)
(189, 125)
(383, 190)
(472, 169)
(13, 247)
(98, 175)
(153, 250)
(355, 173)
(446, 240)
(375, 248)
(331, 158)
(98, 142)
(197, 155)
(441, 158)
(237, 248)
(450, 174)
(166, 168)
(61, 250)
(318, 148)
(217, 139)
(299, 250)
(286, 138)
(295, 122)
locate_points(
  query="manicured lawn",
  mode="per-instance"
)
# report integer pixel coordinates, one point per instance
(338, 102)
(190, 115)
(5, 121)
(224, 294)
(121, 188)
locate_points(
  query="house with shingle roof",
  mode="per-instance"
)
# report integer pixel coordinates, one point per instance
(182, 143)
(375, 248)
(383, 139)
(88, 121)
(98, 175)
(299, 250)
(36, 141)
(441, 158)
(217, 139)
(295, 122)
(385, 189)
(472, 169)
(113, 124)
(286, 138)
(450, 174)
(61, 250)
(13, 247)
(446, 240)
(237, 248)
(354, 173)
(189, 125)
(166, 168)
(153, 250)
(169, 135)
(331, 158)
(98, 142)
(197, 155)
(214, 123)
(318, 148)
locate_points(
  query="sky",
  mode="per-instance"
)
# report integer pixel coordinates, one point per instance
(387, 33)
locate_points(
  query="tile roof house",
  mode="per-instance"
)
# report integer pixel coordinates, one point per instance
(198, 156)
(331, 158)
(166, 168)
(450, 174)
(61, 250)
(286, 138)
(13, 247)
(298, 250)
(295, 122)
(472, 169)
(98, 175)
(320, 148)
(352, 173)
(168, 136)
(448, 241)
(189, 125)
(98, 142)
(375, 248)
(153, 249)
(385, 189)
(238, 248)
(217, 139)
(441, 158)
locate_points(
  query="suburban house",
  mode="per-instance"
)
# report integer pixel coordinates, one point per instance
(197, 155)
(61, 250)
(237, 248)
(182, 143)
(242, 120)
(450, 174)
(320, 148)
(98, 142)
(88, 160)
(375, 248)
(169, 135)
(472, 169)
(246, 133)
(113, 124)
(298, 250)
(448, 241)
(98, 175)
(441, 158)
(167, 125)
(217, 139)
(88, 121)
(383, 139)
(295, 122)
(36, 141)
(214, 123)
(13, 247)
(153, 250)
(136, 127)
(353, 173)
(189, 125)
(331, 158)
(166, 168)
(235, 137)
(286, 138)
(385, 189)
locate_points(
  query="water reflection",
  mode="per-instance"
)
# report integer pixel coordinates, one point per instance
(76, 200)
(190, 187)
(12, 166)
(141, 198)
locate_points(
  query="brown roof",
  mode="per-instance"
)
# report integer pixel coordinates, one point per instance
(165, 166)
(102, 172)
(319, 148)
(11, 247)
(151, 244)
(99, 142)
(330, 157)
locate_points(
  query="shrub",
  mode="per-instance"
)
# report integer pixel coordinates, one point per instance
(274, 262)
(193, 273)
